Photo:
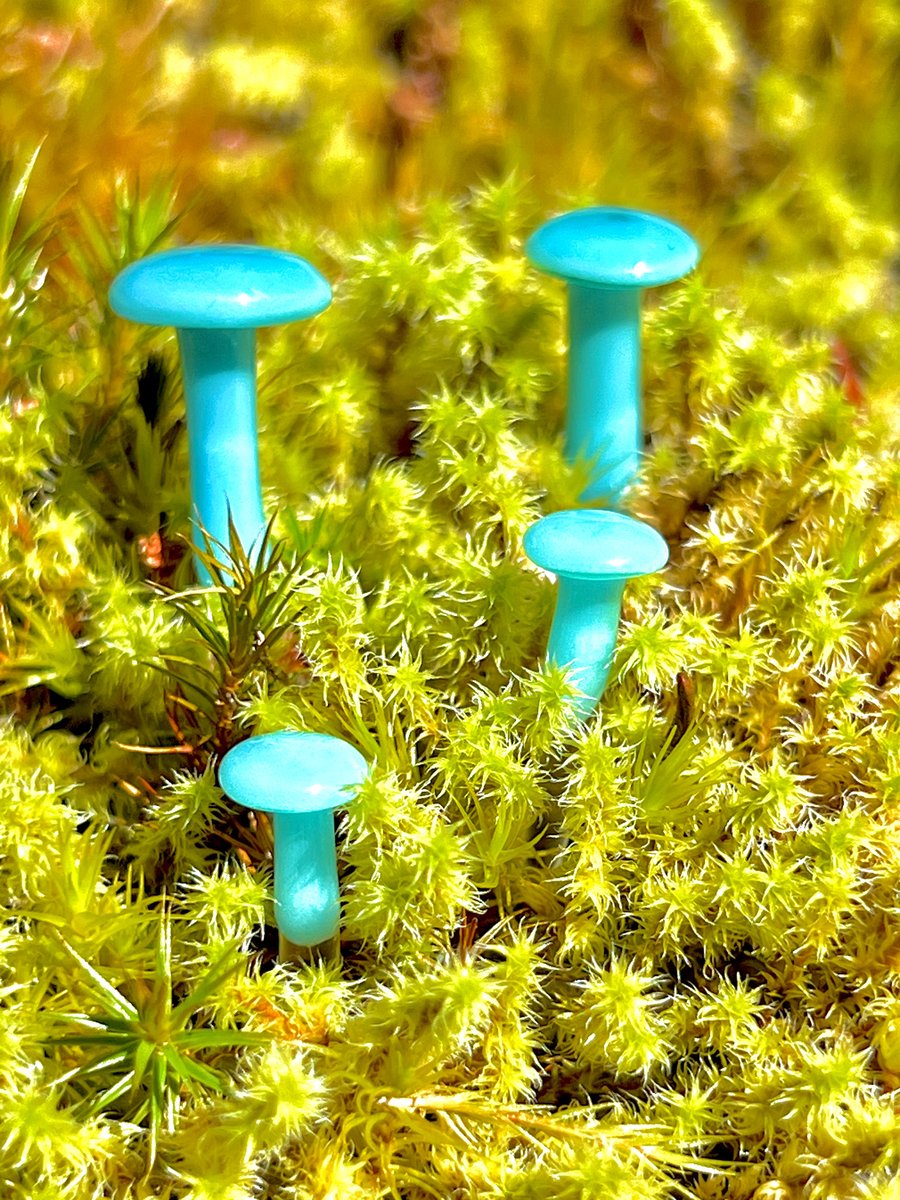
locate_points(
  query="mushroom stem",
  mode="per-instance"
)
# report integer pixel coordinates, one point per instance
(220, 390)
(307, 899)
(583, 635)
(604, 422)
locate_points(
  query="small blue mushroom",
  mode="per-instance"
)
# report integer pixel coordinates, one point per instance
(300, 778)
(593, 554)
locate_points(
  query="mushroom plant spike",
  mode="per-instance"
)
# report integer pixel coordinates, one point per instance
(593, 555)
(607, 256)
(217, 297)
(300, 778)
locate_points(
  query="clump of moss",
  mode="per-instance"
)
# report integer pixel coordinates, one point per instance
(656, 954)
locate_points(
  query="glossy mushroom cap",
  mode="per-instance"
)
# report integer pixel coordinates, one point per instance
(613, 248)
(588, 543)
(219, 287)
(291, 772)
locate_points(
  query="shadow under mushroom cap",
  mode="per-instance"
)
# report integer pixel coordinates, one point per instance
(613, 247)
(291, 772)
(219, 287)
(595, 544)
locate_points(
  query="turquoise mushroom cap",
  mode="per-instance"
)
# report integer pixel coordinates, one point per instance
(292, 772)
(613, 248)
(219, 287)
(587, 543)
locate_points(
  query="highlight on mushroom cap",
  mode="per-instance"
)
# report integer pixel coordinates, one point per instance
(291, 772)
(613, 247)
(595, 544)
(219, 287)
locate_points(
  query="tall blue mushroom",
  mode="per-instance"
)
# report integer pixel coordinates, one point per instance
(607, 256)
(216, 297)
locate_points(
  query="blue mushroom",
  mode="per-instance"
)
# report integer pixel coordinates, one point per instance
(593, 554)
(216, 297)
(607, 256)
(300, 778)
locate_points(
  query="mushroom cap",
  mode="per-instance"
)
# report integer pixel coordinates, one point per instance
(613, 247)
(219, 287)
(588, 543)
(291, 772)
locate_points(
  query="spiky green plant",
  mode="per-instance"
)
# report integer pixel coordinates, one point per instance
(146, 1048)
(240, 625)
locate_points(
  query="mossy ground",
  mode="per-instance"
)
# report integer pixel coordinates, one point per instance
(655, 956)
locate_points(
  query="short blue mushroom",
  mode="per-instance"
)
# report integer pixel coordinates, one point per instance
(216, 297)
(593, 554)
(300, 778)
(607, 256)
